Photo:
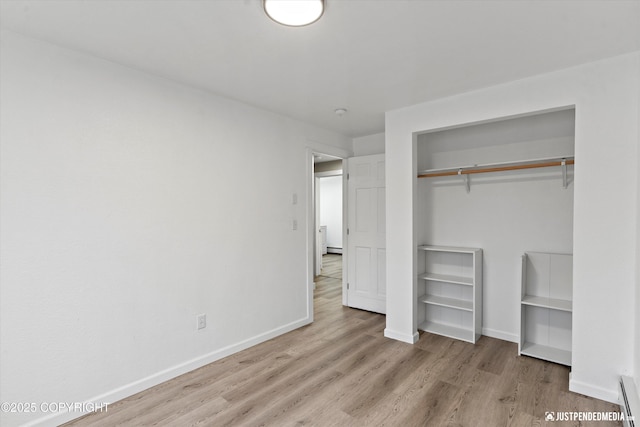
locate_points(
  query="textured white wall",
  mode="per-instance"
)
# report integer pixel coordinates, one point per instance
(369, 144)
(331, 209)
(131, 204)
(606, 192)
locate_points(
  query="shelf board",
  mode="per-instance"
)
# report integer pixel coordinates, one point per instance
(447, 278)
(458, 304)
(448, 249)
(545, 352)
(448, 331)
(553, 303)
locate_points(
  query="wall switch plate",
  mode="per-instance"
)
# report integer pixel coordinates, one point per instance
(202, 321)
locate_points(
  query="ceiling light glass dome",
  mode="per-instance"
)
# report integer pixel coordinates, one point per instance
(294, 13)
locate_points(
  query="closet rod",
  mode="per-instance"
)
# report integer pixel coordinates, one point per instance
(463, 171)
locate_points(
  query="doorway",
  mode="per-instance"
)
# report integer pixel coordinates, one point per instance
(329, 245)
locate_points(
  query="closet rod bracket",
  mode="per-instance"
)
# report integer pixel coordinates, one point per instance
(465, 178)
(564, 173)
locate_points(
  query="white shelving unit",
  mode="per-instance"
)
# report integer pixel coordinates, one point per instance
(452, 296)
(545, 306)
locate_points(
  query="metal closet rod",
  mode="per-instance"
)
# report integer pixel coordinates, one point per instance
(496, 167)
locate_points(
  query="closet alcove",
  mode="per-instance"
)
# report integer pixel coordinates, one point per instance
(505, 187)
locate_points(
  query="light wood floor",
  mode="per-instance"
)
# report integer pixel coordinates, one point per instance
(331, 268)
(341, 371)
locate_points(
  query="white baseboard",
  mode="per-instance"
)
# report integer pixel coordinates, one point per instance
(501, 335)
(411, 339)
(167, 374)
(609, 395)
(334, 250)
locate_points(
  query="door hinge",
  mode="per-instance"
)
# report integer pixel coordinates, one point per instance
(347, 231)
(347, 177)
(347, 285)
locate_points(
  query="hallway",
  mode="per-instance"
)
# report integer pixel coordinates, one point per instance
(329, 282)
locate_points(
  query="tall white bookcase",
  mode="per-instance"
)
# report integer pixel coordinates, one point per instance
(452, 296)
(546, 306)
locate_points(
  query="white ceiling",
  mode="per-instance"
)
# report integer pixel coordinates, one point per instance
(368, 56)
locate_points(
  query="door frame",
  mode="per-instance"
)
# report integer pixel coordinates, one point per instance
(316, 148)
(317, 258)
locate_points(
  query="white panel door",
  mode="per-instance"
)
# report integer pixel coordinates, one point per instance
(366, 256)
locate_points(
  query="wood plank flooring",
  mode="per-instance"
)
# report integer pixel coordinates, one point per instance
(331, 266)
(341, 371)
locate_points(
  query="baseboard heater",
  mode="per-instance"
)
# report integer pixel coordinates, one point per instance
(629, 402)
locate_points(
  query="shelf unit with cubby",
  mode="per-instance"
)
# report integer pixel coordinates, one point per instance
(452, 297)
(546, 306)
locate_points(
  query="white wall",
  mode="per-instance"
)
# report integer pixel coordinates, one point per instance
(331, 209)
(504, 213)
(606, 191)
(369, 144)
(131, 204)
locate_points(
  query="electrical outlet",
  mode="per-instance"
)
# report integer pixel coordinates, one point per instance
(295, 198)
(294, 225)
(202, 321)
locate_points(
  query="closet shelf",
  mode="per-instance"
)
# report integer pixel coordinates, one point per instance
(465, 171)
(448, 331)
(546, 352)
(447, 278)
(546, 302)
(455, 249)
(460, 304)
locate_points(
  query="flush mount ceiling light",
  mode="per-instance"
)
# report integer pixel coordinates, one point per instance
(294, 13)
